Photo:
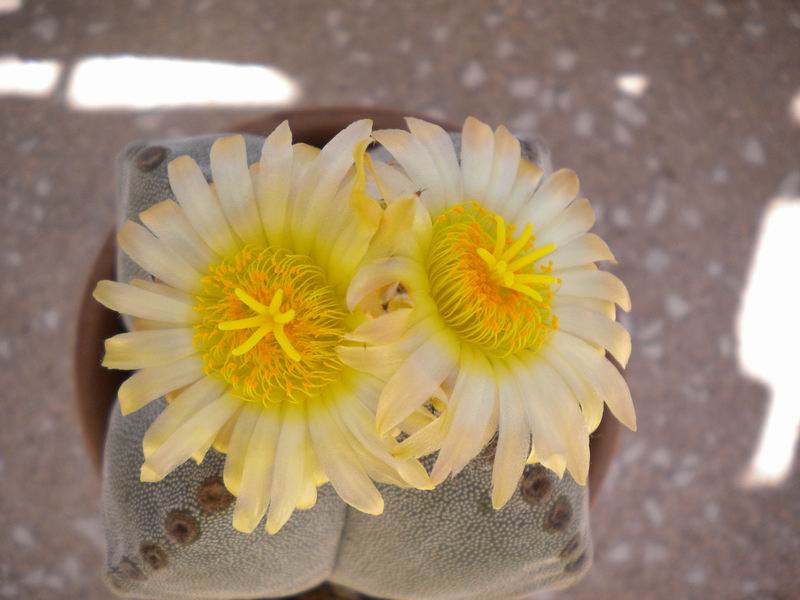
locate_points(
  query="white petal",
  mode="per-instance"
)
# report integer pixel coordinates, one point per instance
(417, 379)
(274, 182)
(383, 272)
(574, 221)
(258, 467)
(235, 188)
(472, 402)
(477, 152)
(394, 182)
(322, 182)
(528, 177)
(201, 205)
(440, 148)
(163, 289)
(168, 221)
(505, 163)
(289, 470)
(130, 300)
(186, 404)
(553, 196)
(155, 257)
(340, 462)
(587, 248)
(238, 447)
(514, 439)
(414, 158)
(584, 390)
(190, 436)
(593, 366)
(139, 349)
(555, 420)
(146, 385)
(597, 329)
(595, 284)
(383, 329)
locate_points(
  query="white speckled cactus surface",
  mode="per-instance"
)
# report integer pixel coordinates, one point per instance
(173, 538)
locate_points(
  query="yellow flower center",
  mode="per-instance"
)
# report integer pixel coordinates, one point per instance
(269, 324)
(488, 286)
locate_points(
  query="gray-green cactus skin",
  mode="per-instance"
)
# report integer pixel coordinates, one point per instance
(174, 539)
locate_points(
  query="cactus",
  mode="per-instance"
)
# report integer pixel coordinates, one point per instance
(173, 539)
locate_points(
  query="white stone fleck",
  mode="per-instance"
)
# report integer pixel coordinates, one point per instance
(341, 38)
(632, 453)
(423, 69)
(97, 27)
(28, 145)
(8, 590)
(70, 567)
(682, 39)
(619, 553)
(92, 529)
(725, 345)
(525, 87)
(628, 111)
(505, 49)
(524, 123)
(583, 125)
(654, 512)
(790, 186)
(650, 331)
(492, 19)
(440, 34)
(653, 352)
(620, 217)
(683, 478)
(715, 9)
(22, 536)
(50, 318)
(333, 18)
(719, 174)
(547, 99)
(711, 512)
(566, 59)
(5, 348)
(696, 576)
(564, 100)
(692, 217)
(622, 135)
(661, 457)
(656, 260)
(42, 187)
(46, 29)
(632, 84)
(361, 57)
(654, 553)
(754, 29)
(13, 258)
(473, 76)
(656, 210)
(794, 19)
(404, 46)
(713, 269)
(753, 152)
(676, 306)
(636, 51)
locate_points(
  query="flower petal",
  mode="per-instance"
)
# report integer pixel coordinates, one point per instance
(130, 300)
(383, 272)
(440, 148)
(168, 221)
(289, 470)
(234, 187)
(574, 221)
(595, 284)
(201, 205)
(597, 329)
(139, 349)
(146, 385)
(587, 248)
(528, 177)
(274, 182)
(237, 448)
(552, 197)
(505, 163)
(477, 152)
(585, 392)
(155, 257)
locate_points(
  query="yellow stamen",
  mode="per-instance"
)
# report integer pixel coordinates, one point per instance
(269, 320)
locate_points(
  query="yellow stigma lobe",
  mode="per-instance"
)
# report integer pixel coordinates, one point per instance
(507, 274)
(270, 319)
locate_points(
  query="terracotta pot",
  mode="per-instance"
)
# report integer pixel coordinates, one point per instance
(97, 387)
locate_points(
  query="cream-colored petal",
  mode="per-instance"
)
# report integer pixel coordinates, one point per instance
(140, 349)
(473, 401)
(597, 329)
(477, 158)
(130, 300)
(258, 468)
(415, 160)
(528, 177)
(146, 385)
(289, 470)
(384, 329)
(513, 441)
(322, 182)
(426, 440)
(274, 182)
(383, 272)
(440, 148)
(201, 205)
(190, 436)
(595, 284)
(228, 158)
(427, 367)
(392, 236)
(308, 494)
(237, 449)
(587, 248)
(604, 307)
(185, 405)
(555, 420)
(223, 439)
(574, 221)
(168, 221)
(606, 379)
(552, 197)
(340, 462)
(155, 257)
(505, 163)
(585, 392)
(395, 184)
(163, 289)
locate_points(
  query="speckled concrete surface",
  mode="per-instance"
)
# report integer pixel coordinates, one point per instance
(680, 176)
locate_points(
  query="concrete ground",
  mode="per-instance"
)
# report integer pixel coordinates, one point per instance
(683, 121)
